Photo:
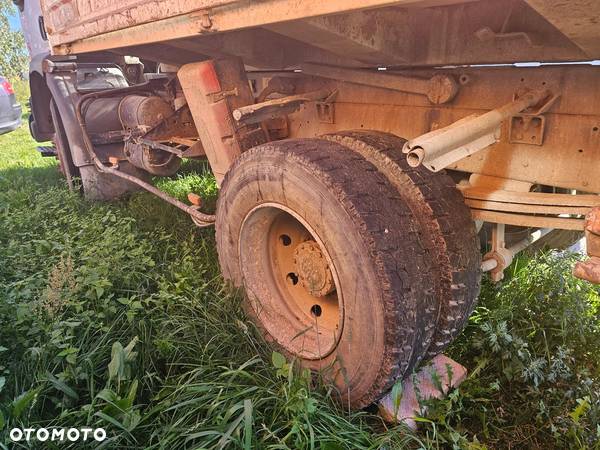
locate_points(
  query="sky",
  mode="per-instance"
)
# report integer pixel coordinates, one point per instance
(15, 24)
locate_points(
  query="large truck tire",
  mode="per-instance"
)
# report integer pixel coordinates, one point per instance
(445, 222)
(98, 186)
(331, 261)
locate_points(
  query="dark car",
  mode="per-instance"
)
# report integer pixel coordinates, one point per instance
(10, 110)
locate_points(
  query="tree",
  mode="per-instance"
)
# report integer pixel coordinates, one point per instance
(13, 53)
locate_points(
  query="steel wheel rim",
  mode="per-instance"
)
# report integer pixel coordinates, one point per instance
(275, 243)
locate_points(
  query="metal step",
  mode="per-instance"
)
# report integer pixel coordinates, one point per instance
(47, 150)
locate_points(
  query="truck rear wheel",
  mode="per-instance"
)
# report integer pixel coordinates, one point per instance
(445, 221)
(92, 184)
(330, 258)
(98, 186)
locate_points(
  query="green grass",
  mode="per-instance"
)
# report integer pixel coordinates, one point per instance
(115, 315)
(21, 88)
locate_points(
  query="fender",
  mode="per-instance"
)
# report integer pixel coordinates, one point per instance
(40, 119)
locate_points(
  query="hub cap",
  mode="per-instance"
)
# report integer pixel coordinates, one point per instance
(313, 270)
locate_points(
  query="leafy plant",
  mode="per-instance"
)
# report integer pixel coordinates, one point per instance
(13, 53)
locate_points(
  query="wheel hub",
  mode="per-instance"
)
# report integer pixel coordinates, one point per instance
(312, 269)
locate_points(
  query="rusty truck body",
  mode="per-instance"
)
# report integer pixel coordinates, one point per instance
(365, 150)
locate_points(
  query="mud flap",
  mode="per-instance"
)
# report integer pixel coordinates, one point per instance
(213, 89)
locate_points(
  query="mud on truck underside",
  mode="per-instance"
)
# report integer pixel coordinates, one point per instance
(366, 150)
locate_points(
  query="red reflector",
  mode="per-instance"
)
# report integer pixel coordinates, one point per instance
(7, 87)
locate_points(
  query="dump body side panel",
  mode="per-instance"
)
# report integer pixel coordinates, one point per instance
(372, 32)
(72, 20)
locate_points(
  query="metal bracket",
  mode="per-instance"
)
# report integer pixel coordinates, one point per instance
(222, 95)
(260, 112)
(277, 128)
(49, 66)
(326, 112)
(158, 146)
(500, 255)
(326, 109)
(527, 129)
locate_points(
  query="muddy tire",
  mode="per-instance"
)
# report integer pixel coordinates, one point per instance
(448, 231)
(99, 186)
(330, 259)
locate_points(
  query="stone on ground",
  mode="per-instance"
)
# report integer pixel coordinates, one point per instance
(433, 380)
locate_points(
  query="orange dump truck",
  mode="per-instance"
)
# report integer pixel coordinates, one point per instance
(366, 151)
